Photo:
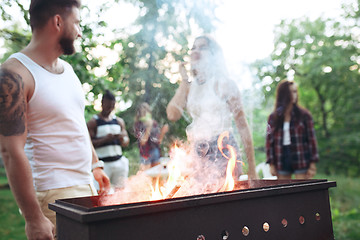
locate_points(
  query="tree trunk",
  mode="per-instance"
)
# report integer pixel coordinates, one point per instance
(323, 112)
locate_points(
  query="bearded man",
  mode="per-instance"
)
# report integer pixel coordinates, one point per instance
(44, 139)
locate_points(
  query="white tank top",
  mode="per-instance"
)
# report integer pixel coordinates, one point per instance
(209, 111)
(58, 142)
(286, 129)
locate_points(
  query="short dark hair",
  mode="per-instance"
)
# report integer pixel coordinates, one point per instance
(108, 95)
(42, 10)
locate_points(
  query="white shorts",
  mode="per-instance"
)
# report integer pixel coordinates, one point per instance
(117, 171)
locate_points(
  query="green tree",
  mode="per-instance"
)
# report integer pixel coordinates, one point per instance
(17, 34)
(143, 72)
(322, 57)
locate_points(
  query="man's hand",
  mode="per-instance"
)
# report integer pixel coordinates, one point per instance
(39, 229)
(110, 137)
(102, 179)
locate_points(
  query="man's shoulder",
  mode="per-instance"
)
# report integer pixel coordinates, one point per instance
(13, 65)
(15, 69)
(64, 63)
(93, 119)
(119, 119)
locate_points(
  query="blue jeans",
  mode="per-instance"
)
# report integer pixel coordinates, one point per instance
(153, 159)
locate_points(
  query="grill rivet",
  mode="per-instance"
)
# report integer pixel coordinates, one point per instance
(200, 237)
(317, 216)
(266, 227)
(225, 235)
(245, 231)
(284, 222)
(301, 220)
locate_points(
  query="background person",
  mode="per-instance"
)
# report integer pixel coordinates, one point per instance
(44, 141)
(291, 146)
(108, 135)
(149, 136)
(213, 100)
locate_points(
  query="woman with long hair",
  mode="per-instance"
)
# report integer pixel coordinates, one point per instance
(213, 101)
(291, 146)
(149, 135)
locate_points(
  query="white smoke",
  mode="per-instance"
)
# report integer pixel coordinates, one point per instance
(198, 177)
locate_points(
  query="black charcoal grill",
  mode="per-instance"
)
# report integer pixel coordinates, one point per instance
(265, 209)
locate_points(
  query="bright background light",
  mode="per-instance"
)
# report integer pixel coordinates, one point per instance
(247, 27)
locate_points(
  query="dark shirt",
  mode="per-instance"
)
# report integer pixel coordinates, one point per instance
(303, 142)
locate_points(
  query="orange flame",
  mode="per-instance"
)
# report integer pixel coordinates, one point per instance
(156, 192)
(174, 167)
(174, 179)
(229, 180)
(179, 182)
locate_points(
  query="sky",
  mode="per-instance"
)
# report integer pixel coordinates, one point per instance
(248, 26)
(245, 31)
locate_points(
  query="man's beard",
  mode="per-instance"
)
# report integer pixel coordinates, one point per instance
(67, 45)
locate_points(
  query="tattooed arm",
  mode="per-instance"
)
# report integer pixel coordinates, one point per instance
(15, 89)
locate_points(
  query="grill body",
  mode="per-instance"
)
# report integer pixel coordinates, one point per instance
(268, 209)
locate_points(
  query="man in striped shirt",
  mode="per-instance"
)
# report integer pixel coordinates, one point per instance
(108, 135)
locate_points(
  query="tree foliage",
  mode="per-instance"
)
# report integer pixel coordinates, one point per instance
(145, 67)
(322, 57)
(157, 38)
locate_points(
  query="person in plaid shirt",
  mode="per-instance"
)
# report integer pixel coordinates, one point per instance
(291, 146)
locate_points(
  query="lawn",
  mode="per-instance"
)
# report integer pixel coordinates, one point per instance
(344, 200)
(345, 207)
(11, 222)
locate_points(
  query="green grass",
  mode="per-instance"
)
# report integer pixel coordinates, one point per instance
(12, 224)
(345, 207)
(134, 160)
(344, 200)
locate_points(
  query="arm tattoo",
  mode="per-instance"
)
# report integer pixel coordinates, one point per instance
(12, 104)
